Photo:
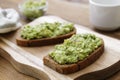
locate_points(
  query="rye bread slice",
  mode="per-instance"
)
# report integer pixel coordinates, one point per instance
(44, 41)
(71, 68)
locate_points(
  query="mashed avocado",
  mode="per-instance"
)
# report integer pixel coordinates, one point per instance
(76, 48)
(33, 8)
(46, 30)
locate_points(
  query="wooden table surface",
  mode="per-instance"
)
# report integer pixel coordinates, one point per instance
(76, 12)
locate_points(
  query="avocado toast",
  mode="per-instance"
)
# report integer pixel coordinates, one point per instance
(45, 34)
(75, 53)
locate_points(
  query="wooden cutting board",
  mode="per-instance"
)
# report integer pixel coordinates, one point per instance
(28, 60)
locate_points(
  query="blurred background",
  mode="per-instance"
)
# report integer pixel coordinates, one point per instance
(81, 1)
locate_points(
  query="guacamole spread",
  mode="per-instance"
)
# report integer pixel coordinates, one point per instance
(75, 49)
(33, 8)
(46, 30)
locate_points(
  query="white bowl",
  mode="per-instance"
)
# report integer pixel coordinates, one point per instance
(30, 13)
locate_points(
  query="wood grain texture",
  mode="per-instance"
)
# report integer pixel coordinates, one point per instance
(7, 72)
(101, 74)
(21, 60)
(108, 58)
(74, 12)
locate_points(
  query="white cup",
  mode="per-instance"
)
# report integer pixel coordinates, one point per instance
(105, 14)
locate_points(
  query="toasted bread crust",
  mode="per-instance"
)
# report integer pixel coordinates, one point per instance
(44, 41)
(71, 68)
